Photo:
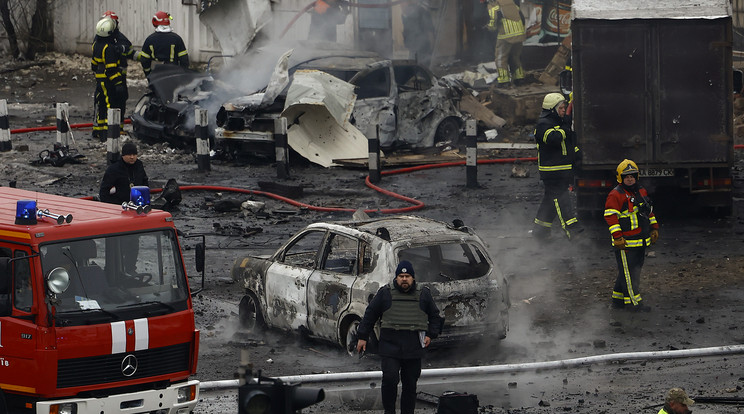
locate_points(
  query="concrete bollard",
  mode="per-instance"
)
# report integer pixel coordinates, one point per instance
(471, 159)
(374, 157)
(63, 124)
(202, 140)
(112, 142)
(281, 147)
(5, 144)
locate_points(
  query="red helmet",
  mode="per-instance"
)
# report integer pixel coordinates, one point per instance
(161, 18)
(111, 14)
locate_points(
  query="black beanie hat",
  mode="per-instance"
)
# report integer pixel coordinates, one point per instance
(128, 149)
(405, 267)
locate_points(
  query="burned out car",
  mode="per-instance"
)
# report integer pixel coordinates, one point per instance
(411, 107)
(165, 113)
(321, 280)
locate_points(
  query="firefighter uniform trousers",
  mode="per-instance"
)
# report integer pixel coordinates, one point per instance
(556, 203)
(627, 285)
(105, 64)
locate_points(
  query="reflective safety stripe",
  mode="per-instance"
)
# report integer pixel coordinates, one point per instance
(141, 334)
(543, 223)
(118, 337)
(172, 53)
(555, 167)
(512, 28)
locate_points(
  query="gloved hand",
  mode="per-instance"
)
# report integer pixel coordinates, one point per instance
(619, 243)
(654, 236)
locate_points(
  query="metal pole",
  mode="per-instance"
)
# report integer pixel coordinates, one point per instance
(374, 157)
(112, 142)
(5, 144)
(202, 140)
(471, 159)
(63, 125)
(502, 369)
(281, 147)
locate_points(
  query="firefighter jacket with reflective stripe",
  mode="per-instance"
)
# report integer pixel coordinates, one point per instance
(556, 148)
(505, 16)
(664, 411)
(105, 60)
(628, 215)
(165, 47)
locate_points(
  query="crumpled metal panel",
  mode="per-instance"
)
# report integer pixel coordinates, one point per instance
(318, 107)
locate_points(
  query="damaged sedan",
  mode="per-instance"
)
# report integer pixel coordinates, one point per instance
(399, 101)
(320, 281)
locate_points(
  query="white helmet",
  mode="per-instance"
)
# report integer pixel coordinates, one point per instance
(105, 27)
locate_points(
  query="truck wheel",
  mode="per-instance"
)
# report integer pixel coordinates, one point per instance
(448, 131)
(249, 313)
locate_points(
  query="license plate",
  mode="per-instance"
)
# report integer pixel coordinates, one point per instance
(656, 172)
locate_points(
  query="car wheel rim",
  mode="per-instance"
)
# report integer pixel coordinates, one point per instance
(351, 337)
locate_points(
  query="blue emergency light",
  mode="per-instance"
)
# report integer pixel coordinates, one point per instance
(140, 195)
(25, 212)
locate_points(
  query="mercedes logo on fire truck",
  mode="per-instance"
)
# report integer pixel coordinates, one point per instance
(129, 365)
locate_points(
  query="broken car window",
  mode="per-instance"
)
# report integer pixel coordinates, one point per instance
(411, 78)
(341, 256)
(303, 252)
(375, 84)
(446, 262)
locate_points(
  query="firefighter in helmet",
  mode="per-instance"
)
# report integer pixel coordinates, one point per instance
(633, 227)
(124, 47)
(164, 45)
(556, 155)
(110, 87)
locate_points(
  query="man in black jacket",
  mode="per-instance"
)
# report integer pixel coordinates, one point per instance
(409, 321)
(122, 175)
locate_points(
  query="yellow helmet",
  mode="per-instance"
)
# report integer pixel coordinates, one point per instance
(626, 167)
(551, 100)
(105, 27)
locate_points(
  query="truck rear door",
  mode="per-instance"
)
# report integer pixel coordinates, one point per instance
(695, 122)
(612, 115)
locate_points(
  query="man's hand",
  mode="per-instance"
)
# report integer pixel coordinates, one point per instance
(427, 341)
(654, 236)
(619, 243)
(361, 345)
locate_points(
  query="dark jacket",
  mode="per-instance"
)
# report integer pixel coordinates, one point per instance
(401, 344)
(123, 176)
(556, 146)
(165, 47)
(105, 61)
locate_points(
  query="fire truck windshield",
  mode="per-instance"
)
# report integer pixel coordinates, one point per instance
(117, 277)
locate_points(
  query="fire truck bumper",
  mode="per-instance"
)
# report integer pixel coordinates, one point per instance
(176, 399)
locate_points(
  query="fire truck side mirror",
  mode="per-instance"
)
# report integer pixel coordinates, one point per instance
(5, 280)
(200, 254)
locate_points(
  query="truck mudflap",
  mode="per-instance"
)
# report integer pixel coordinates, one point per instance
(176, 399)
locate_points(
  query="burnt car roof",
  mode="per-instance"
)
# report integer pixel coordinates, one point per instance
(405, 228)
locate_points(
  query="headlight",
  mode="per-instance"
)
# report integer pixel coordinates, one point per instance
(66, 408)
(186, 393)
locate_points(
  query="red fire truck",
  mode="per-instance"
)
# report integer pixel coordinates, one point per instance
(95, 311)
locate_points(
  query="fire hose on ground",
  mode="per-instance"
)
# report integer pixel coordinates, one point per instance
(500, 369)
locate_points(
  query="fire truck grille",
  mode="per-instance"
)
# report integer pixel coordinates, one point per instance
(113, 368)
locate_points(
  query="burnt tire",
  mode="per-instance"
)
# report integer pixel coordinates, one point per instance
(448, 131)
(350, 339)
(249, 313)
